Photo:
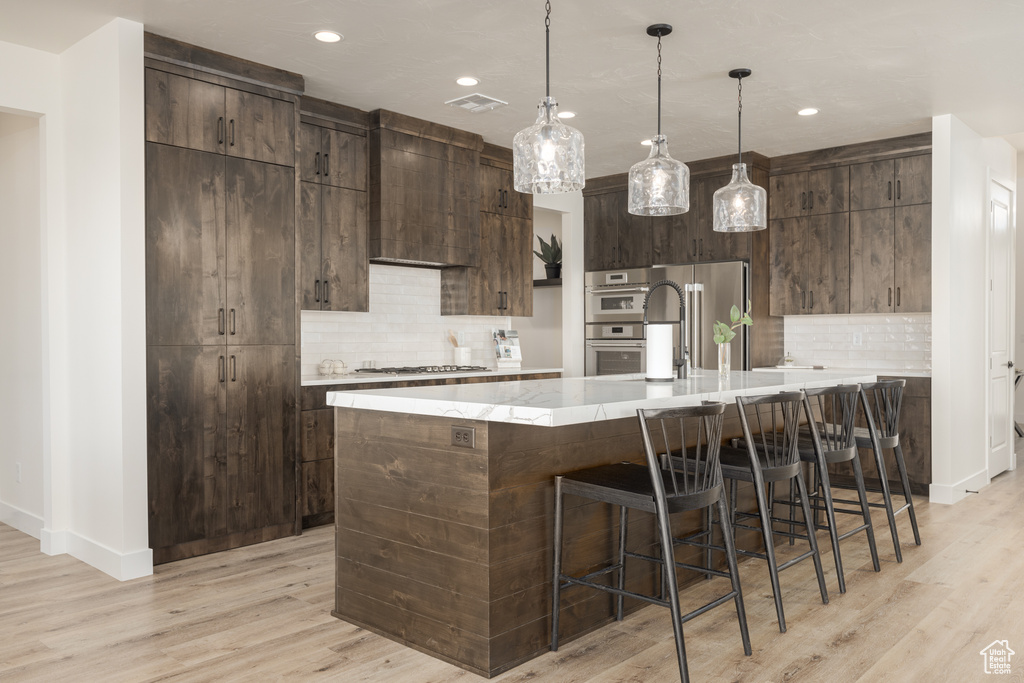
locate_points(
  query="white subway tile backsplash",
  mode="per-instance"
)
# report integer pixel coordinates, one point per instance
(404, 325)
(888, 342)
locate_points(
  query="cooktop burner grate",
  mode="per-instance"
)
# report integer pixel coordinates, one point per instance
(423, 369)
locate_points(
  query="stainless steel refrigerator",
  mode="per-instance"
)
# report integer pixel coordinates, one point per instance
(711, 290)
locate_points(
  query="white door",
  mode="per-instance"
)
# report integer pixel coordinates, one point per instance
(1000, 313)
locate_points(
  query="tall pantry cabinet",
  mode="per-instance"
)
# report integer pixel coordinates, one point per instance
(220, 290)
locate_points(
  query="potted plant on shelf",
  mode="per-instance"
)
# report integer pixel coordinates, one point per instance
(724, 334)
(551, 255)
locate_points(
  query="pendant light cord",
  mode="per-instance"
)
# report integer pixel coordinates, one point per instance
(659, 83)
(547, 49)
(739, 117)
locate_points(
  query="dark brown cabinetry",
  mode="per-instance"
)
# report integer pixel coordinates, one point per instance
(810, 265)
(221, 321)
(186, 112)
(890, 235)
(332, 249)
(424, 192)
(690, 237)
(809, 193)
(332, 157)
(615, 238)
(503, 282)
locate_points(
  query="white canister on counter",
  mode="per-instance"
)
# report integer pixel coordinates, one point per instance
(462, 355)
(660, 367)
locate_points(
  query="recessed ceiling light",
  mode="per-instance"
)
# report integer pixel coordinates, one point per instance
(566, 114)
(810, 111)
(328, 36)
(645, 142)
(467, 80)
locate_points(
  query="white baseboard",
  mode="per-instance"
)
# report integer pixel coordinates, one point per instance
(122, 566)
(948, 494)
(53, 542)
(23, 521)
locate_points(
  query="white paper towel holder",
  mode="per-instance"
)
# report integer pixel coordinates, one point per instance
(656, 369)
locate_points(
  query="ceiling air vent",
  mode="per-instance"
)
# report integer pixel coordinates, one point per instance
(476, 103)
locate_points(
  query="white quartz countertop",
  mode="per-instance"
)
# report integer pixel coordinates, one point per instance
(874, 371)
(574, 400)
(370, 377)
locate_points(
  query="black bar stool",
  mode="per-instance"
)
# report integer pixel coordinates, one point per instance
(773, 457)
(830, 442)
(881, 402)
(662, 490)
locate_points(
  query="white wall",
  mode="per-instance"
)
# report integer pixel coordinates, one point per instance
(570, 207)
(21, 306)
(961, 165)
(92, 233)
(541, 334)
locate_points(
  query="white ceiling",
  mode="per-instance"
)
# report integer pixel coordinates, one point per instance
(875, 68)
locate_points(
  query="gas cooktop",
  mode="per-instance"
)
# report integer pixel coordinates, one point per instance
(423, 369)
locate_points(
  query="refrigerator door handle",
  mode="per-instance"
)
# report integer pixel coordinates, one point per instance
(691, 297)
(698, 326)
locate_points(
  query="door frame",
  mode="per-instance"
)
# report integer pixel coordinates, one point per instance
(1011, 304)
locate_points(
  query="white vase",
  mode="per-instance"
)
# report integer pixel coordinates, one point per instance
(724, 359)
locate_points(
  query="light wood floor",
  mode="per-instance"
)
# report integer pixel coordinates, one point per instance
(263, 613)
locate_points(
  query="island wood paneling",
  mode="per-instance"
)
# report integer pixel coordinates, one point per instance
(448, 550)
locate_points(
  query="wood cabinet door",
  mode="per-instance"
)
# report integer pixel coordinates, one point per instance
(317, 437)
(787, 195)
(259, 128)
(634, 236)
(343, 162)
(827, 264)
(260, 436)
(913, 258)
(343, 242)
(184, 112)
(788, 281)
(872, 185)
(493, 186)
(260, 263)
(671, 238)
(185, 237)
(517, 268)
(309, 153)
(828, 191)
(486, 283)
(601, 230)
(307, 242)
(187, 470)
(461, 196)
(871, 261)
(914, 180)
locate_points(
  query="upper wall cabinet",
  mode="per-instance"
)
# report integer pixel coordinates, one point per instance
(615, 238)
(809, 193)
(498, 196)
(891, 182)
(199, 115)
(424, 192)
(332, 157)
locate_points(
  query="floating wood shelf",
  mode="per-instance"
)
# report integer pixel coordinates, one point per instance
(550, 282)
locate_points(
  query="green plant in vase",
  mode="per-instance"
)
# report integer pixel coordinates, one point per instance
(724, 334)
(551, 255)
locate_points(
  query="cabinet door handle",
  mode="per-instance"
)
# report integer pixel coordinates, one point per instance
(889, 191)
(220, 130)
(233, 368)
(803, 300)
(890, 296)
(327, 165)
(220, 321)
(220, 369)
(812, 299)
(232, 123)
(898, 190)
(695, 247)
(897, 289)
(701, 252)
(506, 199)
(810, 201)
(327, 292)
(232, 321)
(803, 201)
(499, 199)
(316, 292)
(316, 163)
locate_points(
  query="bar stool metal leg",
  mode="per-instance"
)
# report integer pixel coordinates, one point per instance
(734, 574)
(668, 562)
(556, 583)
(862, 494)
(902, 467)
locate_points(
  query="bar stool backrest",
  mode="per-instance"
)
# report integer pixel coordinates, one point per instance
(685, 442)
(777, 418)
(836, 412)
(882, 402)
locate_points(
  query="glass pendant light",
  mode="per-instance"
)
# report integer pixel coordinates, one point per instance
(740, 206)
(659, 185)
(547, 157)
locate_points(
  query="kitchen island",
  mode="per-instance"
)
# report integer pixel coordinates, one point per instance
(447, 548)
